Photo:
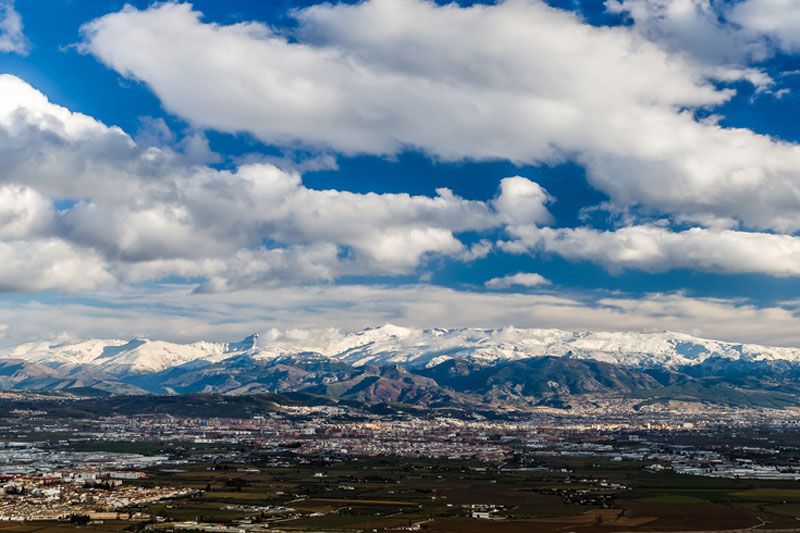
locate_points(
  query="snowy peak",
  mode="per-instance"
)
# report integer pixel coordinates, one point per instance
(135, 355)
(390, 344)
(247, 344)
(395, 345)
(84, 352)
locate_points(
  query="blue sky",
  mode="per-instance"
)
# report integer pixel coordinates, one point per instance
(243, 165)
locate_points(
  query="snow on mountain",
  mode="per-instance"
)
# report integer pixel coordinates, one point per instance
(137, 355)
(389, 344)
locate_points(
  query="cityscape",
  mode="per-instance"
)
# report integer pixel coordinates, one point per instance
(311, 467)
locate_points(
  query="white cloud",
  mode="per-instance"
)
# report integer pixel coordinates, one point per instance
(522, 201)
(523, 279)
(694, 27)
(11, 37)
(726, 37)
(517, 80)
(295, 264)
(41, 264)
(150, 210)
(23, 212)
(657, 249)
(146, 213)
(68, 155)
(170, 314)
(404, 74)
(778, 20)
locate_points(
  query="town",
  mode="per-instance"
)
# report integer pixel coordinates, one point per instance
(300, 465)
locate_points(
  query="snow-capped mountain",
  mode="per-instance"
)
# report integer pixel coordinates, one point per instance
(394, 345)
(425, 367)
(389, 344)
(136, 355)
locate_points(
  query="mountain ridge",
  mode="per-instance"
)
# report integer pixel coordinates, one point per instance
(390, 344)
(466, 367)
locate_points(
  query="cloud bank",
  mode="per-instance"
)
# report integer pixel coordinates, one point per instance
(167, 313)
(517, 80)
(139, 213)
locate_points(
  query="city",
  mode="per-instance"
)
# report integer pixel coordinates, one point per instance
(310, 467)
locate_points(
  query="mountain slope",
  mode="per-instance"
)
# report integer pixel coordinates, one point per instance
(16, 374)
(430, 367)
(394, 345)
(136, 355)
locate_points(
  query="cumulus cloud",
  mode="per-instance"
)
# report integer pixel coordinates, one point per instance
(522, 201)
(523, 279)
(517, 80)
(726, 37)
(143, 211)
(656, 249)
(11, 37)
(777, 20)
(48, 263)
(23, 212)
(31, 257)
(403, 75)
(694, 27)
(146, 210)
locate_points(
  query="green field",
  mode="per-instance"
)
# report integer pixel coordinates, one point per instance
(387, 494)
(381, 494)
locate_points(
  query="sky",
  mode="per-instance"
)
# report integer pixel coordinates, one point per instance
(205, 170)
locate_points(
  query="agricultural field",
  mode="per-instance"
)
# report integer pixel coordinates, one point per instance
(385, 494)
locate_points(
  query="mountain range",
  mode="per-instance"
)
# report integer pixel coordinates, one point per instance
(424, 367)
